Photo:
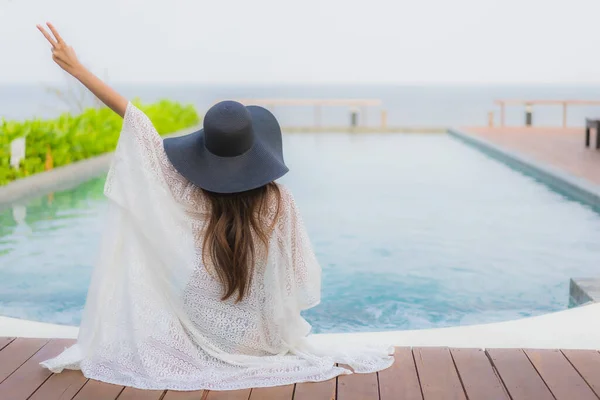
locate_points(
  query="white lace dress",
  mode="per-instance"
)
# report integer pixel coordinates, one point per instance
(154, 318)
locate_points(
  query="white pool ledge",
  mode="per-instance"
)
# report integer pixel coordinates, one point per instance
(577, 328)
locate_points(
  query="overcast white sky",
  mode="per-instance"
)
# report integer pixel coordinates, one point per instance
(309, 41)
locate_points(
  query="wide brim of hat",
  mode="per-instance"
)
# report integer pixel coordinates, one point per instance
(261, 164)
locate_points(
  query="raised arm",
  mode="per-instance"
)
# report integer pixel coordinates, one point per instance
(65, 57)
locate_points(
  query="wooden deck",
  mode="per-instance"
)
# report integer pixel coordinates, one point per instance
(418, 373)
(562, 148)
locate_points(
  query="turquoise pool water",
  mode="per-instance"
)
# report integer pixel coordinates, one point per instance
(412, 231)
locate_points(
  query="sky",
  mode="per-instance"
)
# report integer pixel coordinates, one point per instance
(308, 41)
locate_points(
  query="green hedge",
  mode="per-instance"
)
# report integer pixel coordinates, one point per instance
(73, 138)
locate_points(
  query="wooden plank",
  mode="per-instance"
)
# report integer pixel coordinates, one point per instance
(357, 386)
(16, 353)
(587, 363)
(564, 381)
(61, 386)
(138, 394)
(478, 377)
(229, 395)
(438, 376)
(177, 395)
(400, 381)
(29, 376)
(518, 375)
(96, 390)
(325, 390)
(546, 102)
(5, 341)
(273, 393)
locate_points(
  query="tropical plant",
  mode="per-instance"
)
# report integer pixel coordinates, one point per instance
(69, 138)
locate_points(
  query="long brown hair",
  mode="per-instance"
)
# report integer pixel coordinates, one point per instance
(235, 221)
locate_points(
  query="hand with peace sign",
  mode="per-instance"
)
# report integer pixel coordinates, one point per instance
(65, 57)
(62, 54)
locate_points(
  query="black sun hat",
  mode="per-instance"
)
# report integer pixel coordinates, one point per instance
(239, 149)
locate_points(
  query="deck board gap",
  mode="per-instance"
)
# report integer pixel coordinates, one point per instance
(23, 363)
(580, 374)
(294, 391)
(40, 385)
(336, 384)
(336, 388)
(81, 388)
(538, 372)
(489, 357)
(7, 343)
(460, 379)
(412, 351)
(378, 388)
(497, 373)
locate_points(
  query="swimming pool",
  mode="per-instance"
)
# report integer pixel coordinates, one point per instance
(412, 231)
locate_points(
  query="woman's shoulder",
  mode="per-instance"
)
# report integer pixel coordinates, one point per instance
(287, 198)
(288, 213)
(284, 190)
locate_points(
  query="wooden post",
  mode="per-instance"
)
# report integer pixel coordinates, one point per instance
(491, 119)
(502, 121)
(353, 117)
(564, 114)
(383, 118)
(49, 164)
(528, 114)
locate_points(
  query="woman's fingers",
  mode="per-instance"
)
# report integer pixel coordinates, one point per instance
(55, 33)
(62, 54)
(47, 36)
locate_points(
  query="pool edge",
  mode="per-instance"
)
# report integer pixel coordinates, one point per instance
(575, 187)
(575, 328)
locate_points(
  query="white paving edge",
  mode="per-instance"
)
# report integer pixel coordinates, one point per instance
(576, 328)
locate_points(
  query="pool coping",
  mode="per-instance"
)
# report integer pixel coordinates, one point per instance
(575, 328)
(561, 181)
(61, 178)
(584, 290)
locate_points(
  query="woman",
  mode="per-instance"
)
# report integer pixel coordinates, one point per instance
(205, 265)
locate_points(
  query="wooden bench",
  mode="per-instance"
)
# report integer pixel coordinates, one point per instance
(592, 123)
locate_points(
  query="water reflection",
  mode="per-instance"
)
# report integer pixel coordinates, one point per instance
(63, 205)
(46, 253)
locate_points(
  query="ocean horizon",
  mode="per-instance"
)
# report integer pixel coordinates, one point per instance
(406, 106)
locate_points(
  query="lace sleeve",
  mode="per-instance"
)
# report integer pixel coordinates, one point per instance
(136, 123)
(304, 271)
